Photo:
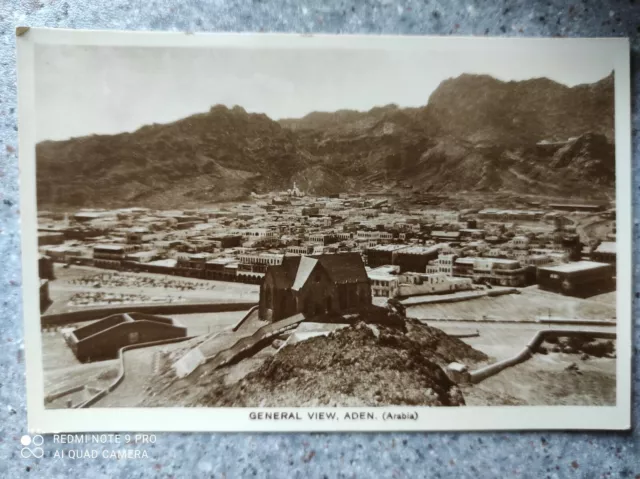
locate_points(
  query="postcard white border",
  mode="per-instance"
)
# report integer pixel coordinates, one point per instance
(468, 418)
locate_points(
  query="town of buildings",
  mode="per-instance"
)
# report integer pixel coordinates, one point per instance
(278, 240)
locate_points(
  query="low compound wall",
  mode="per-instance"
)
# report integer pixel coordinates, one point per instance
(454, 298)
(164, 308)
(58, 394)
(577, 321)
(530, 349)
(245, 317)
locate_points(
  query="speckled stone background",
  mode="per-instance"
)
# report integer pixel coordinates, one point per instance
(477, 455)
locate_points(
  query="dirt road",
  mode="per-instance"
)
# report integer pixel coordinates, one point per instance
(138, 370)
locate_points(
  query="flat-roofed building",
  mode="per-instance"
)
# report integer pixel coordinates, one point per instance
(439, 235)
(472, 234)
(498, 271)
(63, 253)
(343, 235)
(226, 241)
(605, 252)
(301, 249)
(135, 235)
(142, 256)
(384, 281)
(322, 238)
(111, 251)
(443, 264)
(218, 268)
(50, 238)
(110, 255)
(415, 284)
(191, 265)
(537, 260)
(415, 258)
(256, 233)
(252, 267)
(581, 278)
(377, 236)
(520, 242)
(463, 267)
(380, 255)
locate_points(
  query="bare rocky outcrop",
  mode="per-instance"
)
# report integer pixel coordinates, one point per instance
(361, 365)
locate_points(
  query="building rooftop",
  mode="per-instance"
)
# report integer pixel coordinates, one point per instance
(388, 247)
(168, 263)
(509, 212)
(499, 260)
(421, 249)
(110, 247)
(221, 261)
(386, 269)
(62, 248)
(575, 267)
(470, 261)
(381, 276)
(606, 247)
(142, 254)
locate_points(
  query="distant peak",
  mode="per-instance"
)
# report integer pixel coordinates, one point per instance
(219, 108)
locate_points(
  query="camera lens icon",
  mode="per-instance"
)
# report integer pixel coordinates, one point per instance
(27, 452)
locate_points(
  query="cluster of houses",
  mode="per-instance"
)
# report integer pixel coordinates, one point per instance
(291, 239)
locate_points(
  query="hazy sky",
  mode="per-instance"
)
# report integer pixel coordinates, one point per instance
(82, 90)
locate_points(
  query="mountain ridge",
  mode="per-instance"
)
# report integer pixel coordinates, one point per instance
(474, 133)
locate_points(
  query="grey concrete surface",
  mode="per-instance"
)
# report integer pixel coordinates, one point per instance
(477, 455)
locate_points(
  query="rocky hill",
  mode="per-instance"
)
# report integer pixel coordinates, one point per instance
(484, 110)
(356, 366)
(363, 364)
(475, 133)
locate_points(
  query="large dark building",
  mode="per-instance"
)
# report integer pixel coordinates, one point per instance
(381, 255)
(582, 278)
(315, 285)
(414, 258)
(45, 267)
(104, 338)
(227, 241)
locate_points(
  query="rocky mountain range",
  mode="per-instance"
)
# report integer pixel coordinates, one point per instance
(474, 133)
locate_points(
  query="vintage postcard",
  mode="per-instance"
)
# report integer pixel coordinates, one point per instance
(243, 232)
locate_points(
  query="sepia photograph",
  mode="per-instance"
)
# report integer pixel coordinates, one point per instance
(397, 232)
